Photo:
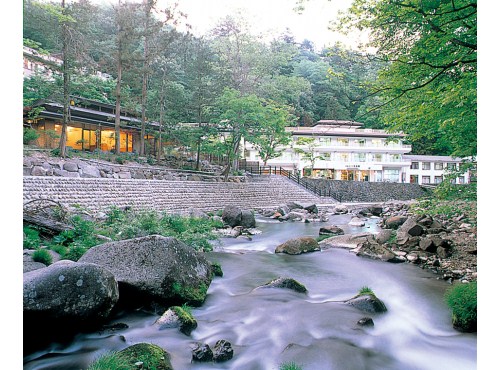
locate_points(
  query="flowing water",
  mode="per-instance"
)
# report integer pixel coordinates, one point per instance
(268, 327)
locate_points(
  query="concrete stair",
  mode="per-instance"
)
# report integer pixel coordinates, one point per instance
(97, 194)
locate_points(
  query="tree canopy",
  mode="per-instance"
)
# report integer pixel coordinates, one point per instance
(427, 85)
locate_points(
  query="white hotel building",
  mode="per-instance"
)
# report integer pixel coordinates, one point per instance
(346, 151)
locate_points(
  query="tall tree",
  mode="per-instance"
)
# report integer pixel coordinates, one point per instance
(429, 86)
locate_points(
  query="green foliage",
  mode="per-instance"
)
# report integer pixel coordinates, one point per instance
(43, 256)
(31, 238)
(194, 295)
(462, 299)
(447, 209)
(365, 291)
(217, 269)
(110, 361)
(152, 356)
(428, 85)
(290, 366)
(29, 135)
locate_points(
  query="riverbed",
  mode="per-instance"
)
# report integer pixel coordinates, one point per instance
(316, 330)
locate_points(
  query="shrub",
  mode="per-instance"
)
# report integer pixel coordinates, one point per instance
(43, 256)
(462, 299)
(29, 135)
(31, 238)
(74, 252)
(109, 361)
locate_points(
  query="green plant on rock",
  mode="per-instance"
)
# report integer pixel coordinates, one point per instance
(43, 256)
(108, 361)
(31, 238)
(462, 299)
(365, 291)
(290, 366)
(193, 295)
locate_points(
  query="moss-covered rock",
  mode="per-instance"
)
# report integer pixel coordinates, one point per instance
(152, 356)
(217, 269)
(177, 317)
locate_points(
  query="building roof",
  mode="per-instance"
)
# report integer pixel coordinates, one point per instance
(329, 130)
(338, 123)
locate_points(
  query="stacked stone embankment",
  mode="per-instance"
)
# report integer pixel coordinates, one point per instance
(359, 191)
(99, 194)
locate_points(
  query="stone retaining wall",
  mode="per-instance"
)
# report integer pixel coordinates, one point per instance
(357, 191)
(85, 168)
(99, 194)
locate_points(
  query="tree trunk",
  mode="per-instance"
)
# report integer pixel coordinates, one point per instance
(65, 71)
(118, 90)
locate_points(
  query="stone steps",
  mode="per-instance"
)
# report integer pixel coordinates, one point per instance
(97, 194)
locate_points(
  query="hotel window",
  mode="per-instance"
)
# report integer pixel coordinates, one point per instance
(438, 165)
(326, 156)
(414, 165)
(391, 175)
(438, 179)
(426, 165)
(461, 180)
(414, 179)
(342, 157)
(343, 142)
(376, 142)
(377, 157)
(426, 179)
(325, 140)
(359, 142)
(451, 166)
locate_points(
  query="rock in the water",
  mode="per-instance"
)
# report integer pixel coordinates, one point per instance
(155, 268)
(177, 317)
(383, 236)
(356, 221)
(286, 283)
(368, 303)
(349, 241)
(247, 219)
(374, 250)
(202, 353)
(76, 292)
(153, 357)
(223, 351)
(331, 230)
(341, 209)
(231, 215)
(366, 321)
(299, 245)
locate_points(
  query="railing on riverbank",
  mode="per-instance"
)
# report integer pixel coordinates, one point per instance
(273, 170)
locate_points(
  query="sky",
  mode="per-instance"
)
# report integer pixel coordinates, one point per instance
(266, 17)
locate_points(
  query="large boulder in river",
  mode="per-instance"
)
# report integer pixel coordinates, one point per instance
(299, 245)
(67, 291)
(285, 283)
(154, 268)
(231, 215)
(247, 219)
(411, 227)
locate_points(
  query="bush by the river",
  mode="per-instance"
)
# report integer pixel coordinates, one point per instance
(119, 224)
(462, 299)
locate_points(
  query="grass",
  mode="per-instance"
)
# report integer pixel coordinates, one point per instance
(290, 366)
(110, 361)
(43, 256)
(365, 291)
(462, 300)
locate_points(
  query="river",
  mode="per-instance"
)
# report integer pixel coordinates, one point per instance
(267, 327)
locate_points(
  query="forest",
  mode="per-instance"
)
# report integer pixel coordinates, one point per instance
(421, 78)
